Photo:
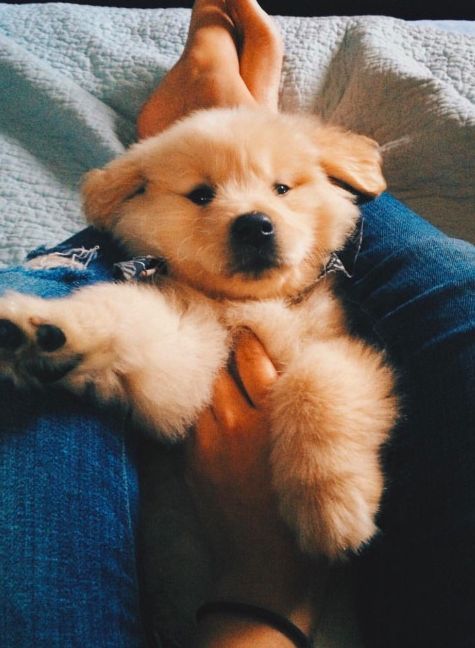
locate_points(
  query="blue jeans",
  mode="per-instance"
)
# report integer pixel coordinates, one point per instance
(68, 503)
(68, 474)
(416, 582)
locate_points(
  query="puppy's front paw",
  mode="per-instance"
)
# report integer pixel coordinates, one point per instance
(33, 349)
(328, 519)
(325, 469)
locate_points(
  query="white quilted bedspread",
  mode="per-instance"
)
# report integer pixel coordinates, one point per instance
(72, 79)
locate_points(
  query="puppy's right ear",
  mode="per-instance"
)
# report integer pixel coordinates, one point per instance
(105, 190)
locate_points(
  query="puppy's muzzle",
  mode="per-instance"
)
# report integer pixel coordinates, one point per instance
(253, 243)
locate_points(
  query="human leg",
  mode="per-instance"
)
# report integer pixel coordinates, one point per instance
(69, 501)
(416, 581)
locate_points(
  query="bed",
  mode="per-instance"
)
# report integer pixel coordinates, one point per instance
(72, 79)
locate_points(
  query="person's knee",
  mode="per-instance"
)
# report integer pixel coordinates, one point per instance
(441, 259)
(420, 295)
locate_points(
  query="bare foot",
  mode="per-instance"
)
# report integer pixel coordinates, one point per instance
(233, 56)
(206, 75)
(260, 50)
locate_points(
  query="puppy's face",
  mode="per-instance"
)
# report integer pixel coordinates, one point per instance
(241, 203)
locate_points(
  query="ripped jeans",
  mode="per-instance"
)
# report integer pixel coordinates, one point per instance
(68, 473)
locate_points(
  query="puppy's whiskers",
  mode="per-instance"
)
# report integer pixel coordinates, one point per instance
(181, 254)
(405, 140)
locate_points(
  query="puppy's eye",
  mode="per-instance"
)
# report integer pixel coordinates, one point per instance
(138, 192)
(281, 189)
(355, 195)
(202, 195)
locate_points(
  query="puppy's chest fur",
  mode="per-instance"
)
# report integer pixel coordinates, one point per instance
(284, 325)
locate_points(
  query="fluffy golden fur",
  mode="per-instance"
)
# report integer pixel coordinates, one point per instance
(179, 195)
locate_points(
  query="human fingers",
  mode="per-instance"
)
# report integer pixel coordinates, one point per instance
(254, 367)
(201, 441)
(230, 406)
(219, 430)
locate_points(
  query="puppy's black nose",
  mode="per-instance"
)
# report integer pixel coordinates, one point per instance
(254, 229)
(253, 244)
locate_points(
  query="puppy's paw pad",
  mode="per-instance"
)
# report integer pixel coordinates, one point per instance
(46, 371)
(32, 349)
(50, 337)
(11, 336)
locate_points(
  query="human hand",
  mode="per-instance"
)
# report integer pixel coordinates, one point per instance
(256, 558)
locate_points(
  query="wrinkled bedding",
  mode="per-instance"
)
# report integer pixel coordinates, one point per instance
(72, 79)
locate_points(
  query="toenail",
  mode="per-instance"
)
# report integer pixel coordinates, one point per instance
(50, 337)
(11, 337)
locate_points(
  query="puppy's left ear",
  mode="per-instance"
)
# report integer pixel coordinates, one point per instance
(351, 159)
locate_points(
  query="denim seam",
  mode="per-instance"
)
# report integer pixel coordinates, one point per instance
(126, 486)
(128, 513)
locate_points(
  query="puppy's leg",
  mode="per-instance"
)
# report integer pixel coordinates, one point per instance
(331, 411)
(130, 343)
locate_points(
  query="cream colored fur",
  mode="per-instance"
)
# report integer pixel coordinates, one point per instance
(158, 349)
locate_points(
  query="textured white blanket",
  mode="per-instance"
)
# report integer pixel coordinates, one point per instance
(72, 79)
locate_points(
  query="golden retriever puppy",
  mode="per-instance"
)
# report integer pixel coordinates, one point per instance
(246, 206)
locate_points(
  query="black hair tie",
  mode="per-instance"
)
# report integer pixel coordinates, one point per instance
(246, 610)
